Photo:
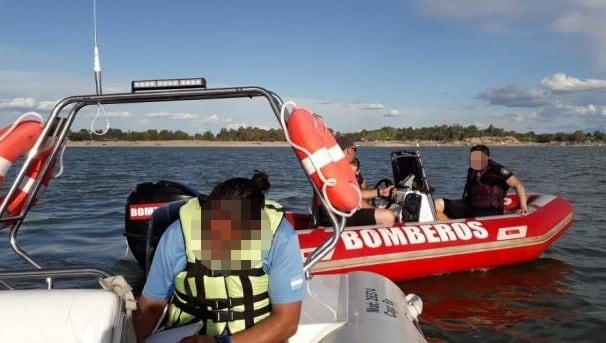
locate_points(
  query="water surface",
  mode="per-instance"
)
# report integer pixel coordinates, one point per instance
(559, 297)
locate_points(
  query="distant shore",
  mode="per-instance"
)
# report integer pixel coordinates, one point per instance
(236, 144)
(174, 143)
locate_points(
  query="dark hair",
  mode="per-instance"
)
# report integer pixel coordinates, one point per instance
(238, 187)
(238, 199)
(261, 180)
(480, 147)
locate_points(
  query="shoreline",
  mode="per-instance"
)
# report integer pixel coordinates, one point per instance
(243, 144)
(174, 143)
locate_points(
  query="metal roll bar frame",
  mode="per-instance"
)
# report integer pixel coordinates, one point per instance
(58, 126)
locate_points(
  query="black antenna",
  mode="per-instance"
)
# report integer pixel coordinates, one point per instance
(97, 63)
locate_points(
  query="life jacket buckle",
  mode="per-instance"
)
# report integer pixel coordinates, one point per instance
(217, 304)
(222, 316)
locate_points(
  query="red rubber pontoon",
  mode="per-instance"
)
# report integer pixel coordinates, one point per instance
(412, 250)
(418, 245)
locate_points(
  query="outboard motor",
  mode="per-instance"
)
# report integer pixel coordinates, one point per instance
(413, 192)
(411, 208)
(405, 163)
(140, 205)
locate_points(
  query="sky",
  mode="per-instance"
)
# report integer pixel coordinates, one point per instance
(516, 64)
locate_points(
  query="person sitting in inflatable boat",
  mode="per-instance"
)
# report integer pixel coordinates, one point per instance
(367, 215)
(244, 292)
(485, 189)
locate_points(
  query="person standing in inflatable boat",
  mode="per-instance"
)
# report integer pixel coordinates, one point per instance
(485, 189)
(230, 261)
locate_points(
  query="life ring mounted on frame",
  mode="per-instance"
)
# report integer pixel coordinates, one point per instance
(17, 140)
(323, 160)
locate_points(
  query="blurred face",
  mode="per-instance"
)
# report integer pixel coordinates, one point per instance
(478, 160)
(350, 153)
(229, 223)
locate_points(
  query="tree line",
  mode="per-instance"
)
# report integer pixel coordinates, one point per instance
(443, 133)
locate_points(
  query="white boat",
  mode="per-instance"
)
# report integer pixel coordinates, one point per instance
(353, 307)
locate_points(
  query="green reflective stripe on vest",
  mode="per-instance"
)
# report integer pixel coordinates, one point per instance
(190, 218)
(275, 212)
(248, 292)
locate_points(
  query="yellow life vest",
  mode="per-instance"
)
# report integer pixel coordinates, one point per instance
(228, 301)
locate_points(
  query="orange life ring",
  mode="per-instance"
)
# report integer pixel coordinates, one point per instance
(32, 174)
(323, 160)
(15, 144)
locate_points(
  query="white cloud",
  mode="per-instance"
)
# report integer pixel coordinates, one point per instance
(46, 105)
(184, 116)
(512, 96)
(172, 115)
(586, 21)
(371, 106)
(26, 104)
(517, 117)
(580, 20)
(119, 114)
(19, 103)
(324, 102)
(561, 82)
(215, 119)
(580, 110)
(392, 113)
(562, 102)
(236, 126)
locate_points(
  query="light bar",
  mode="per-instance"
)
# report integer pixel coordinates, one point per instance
(149, 85)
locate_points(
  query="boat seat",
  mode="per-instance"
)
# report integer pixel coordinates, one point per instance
(161, 218)
(60, 315)
(416, 206)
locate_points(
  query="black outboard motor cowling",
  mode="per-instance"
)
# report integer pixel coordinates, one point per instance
(405, 163)
(140, 205)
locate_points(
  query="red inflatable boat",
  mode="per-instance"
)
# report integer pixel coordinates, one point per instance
(411, 250)
(418, 245)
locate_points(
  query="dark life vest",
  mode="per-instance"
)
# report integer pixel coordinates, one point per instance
(487, 188)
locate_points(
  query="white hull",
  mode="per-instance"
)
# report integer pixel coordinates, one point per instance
(352, 307)
(61, 315)
(356, 307)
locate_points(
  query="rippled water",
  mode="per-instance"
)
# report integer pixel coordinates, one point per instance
(559, 297)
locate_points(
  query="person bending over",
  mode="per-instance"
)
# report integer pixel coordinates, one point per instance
(485, 189)
(231, 261)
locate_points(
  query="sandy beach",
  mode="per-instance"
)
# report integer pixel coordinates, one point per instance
(226, 144)
(175, 143)
(236, 144)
